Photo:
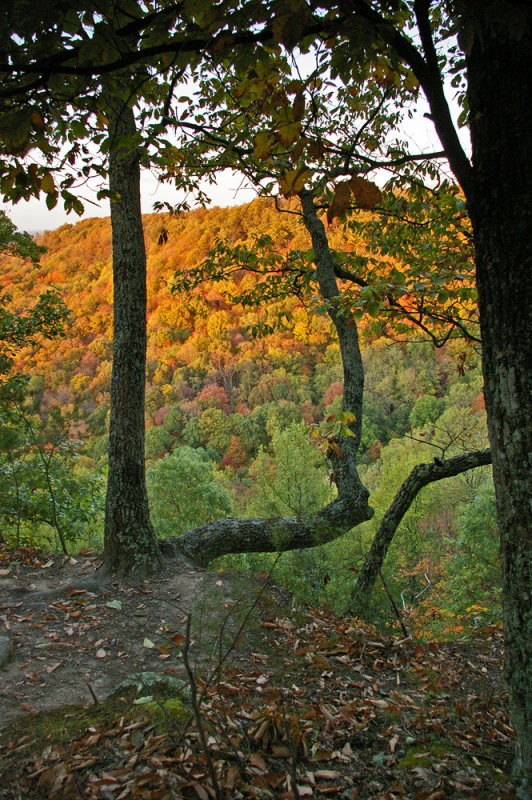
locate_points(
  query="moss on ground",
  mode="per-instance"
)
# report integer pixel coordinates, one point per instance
(62, 726)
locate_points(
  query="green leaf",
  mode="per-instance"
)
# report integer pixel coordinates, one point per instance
(47, 184)
(51, 200)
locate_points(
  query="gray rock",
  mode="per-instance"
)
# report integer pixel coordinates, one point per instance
(144, 681)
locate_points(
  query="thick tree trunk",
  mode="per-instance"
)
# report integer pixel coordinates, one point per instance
(500, 205)
(421, 475)
(130, 543)
(277, 535)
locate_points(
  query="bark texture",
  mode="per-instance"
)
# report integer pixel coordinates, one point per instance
(202, 545)
(421, 475)
(500, 205)
(130, 543)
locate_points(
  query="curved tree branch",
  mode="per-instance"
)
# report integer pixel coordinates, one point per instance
(420, 476)
(221, 537)
(202, 545)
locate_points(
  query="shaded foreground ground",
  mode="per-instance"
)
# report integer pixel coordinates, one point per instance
(290, 702)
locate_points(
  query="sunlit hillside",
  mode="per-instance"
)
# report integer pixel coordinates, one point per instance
(230, 407)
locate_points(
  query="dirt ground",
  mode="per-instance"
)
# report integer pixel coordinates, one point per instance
(77, 636)
(303, 703)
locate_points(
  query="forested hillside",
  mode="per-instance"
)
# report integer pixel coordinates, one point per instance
(233, 392)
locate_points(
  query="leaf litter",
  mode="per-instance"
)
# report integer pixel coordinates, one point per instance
(314, 705)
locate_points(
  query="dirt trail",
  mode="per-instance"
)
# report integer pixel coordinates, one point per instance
(76, 636)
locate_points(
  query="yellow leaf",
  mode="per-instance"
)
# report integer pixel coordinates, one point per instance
(298, 106)
(37, 120)
(288, 134)
(15, 127)
(297, 150)
(102, 120)
(294, 87)
(262, 146)
(293, 181)
(316, 149)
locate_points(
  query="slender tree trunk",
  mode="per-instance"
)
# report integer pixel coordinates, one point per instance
(500, 205)
(420, 476)
(130, 543)
(351, 507)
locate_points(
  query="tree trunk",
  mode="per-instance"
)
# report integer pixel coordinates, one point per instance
(351, 507)
(500, 206)
(130, 543)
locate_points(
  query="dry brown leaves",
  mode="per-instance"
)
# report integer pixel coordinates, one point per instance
(329, 709)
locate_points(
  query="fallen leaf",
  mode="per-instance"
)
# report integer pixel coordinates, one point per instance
(326, 774)
(148, 643)
(378, 703)
(200, 791)
(281, 751)
(257, 761)
(321, 662)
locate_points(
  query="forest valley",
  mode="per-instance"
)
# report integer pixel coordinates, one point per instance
(243, 404)
(295, 387)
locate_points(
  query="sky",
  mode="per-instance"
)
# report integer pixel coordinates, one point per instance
(33, 216)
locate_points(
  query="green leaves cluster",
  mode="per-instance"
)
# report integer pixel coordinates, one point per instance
(184, 492)
(47, 498)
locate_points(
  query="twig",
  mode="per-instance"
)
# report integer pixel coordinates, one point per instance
(293, 748)
(197, 712)
(91, 690)
(395, 608)
(408, 611)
